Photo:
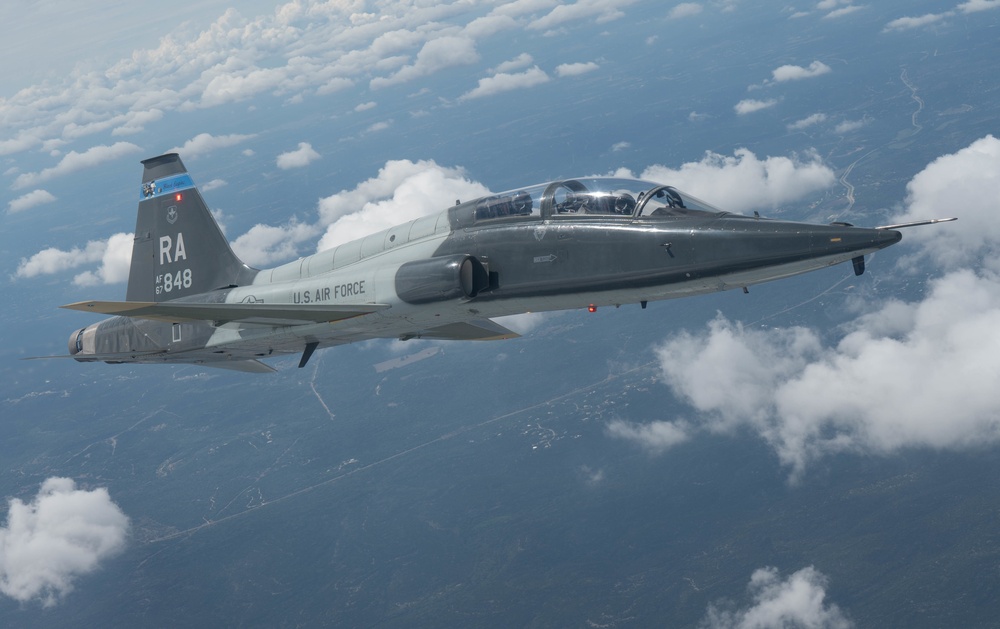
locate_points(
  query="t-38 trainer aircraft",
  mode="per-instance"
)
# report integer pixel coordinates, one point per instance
(576, 243)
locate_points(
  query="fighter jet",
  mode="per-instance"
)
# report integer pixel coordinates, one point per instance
(573, 243)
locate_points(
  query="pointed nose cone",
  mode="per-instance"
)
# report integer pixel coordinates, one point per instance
(768, 250)
(834, 239)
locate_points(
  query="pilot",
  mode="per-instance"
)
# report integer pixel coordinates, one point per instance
(522, 203)
(624, 204)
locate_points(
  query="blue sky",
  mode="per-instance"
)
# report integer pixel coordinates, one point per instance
(97, 89)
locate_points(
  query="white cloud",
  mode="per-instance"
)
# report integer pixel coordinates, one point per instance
(906, 375)
(62, 534)
(750, 105)
(30, 200)
(53, 260)
(74, 161)
(574, 69)
(205, 143)
(381, 125)
(850, 125)
(965, 184)
(503, 82)
(655, 436)
(437, 54)
(114, 255)
(796, 73)
(972, 6)
(366, 106)
(116, 259)
(907, 23)
(602, 10)
(522, 323)
(808, 121)
(489, 25)
(798, 601)
(212, 185)
(744, 181)
(402, 191)
(523, 60)
(265, 245)
(684, 9)
(136, 121)
(841, 12)
(302, 156)
(909, 375)
(620, 146)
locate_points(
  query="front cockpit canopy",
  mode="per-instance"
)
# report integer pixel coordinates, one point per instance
(595, 197)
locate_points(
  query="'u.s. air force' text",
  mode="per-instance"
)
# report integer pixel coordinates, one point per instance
(327, 293)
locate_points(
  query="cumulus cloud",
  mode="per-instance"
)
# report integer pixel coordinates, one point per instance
(574, 69)
(113, 254)
(212, 185)
(116, 259)
(522, 323)
(750, 105)
(964, 184)
(909, 375)
(437, 54)
(205, 143)
(136, 121)
(30, 200)
(365, 106)
(503, 82)
(302, 156)
(743, 181)
(907, 23)
(797, 73)
(61, 535)
(798, 601)
(73, 161)
(848, 126)
(973, 6)
(842, 11)
(523, 60)
(684, 9)
(655, 436)
(602, 10)
(265, 245)
(53, 260)
(808, 121)
(402, 191)
(915, 374)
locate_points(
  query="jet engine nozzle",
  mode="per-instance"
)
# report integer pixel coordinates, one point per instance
(76, 342)
(83, 341)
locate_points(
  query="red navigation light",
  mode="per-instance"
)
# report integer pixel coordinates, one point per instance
(178, 197)
(591, 308)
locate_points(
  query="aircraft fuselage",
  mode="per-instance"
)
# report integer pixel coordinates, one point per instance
(567, 244)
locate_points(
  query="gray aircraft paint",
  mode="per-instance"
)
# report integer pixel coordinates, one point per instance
(568, 244)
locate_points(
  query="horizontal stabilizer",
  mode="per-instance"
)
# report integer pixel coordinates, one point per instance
(259, 313)
(476, 330)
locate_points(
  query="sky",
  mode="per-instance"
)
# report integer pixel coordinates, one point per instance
(100, 88)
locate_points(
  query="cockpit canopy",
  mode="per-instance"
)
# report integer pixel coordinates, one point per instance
(594, 197)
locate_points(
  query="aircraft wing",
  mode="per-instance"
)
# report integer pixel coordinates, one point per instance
(260, 313)
(248, 365)
(475, 330)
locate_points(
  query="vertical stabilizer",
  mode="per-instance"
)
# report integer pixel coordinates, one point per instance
(179, 249)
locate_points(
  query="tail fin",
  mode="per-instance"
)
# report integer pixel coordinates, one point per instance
(179, 249)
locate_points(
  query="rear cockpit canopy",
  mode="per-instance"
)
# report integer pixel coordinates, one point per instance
(606, 197)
